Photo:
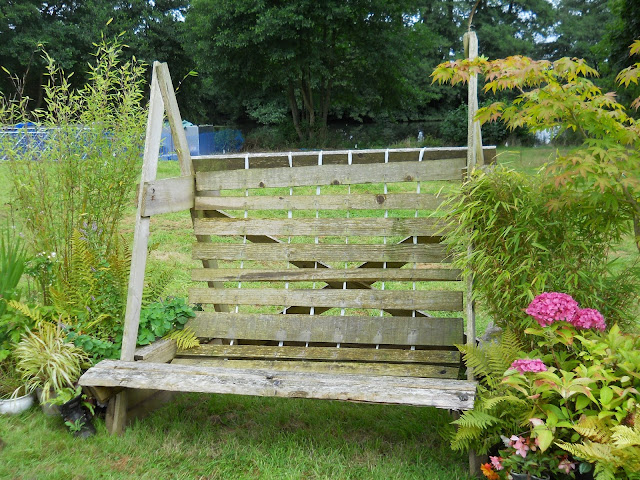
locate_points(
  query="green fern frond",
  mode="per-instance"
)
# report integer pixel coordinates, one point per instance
(624, 436)
(184, 338)
(594, 429)
(604, 472)
(35, 314)
(591, 451)
(476, 419)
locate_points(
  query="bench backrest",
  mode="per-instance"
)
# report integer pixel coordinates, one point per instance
(329, 256)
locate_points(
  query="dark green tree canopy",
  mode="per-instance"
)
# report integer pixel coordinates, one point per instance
(304, 55)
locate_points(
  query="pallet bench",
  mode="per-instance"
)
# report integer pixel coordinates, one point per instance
(323, 276)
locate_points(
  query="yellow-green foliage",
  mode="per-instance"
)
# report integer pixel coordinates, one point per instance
(185, 338)
(615, 450)
(496, 410)
(92, 296)
(46, 360)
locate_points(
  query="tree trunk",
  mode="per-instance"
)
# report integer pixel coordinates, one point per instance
(295, 114)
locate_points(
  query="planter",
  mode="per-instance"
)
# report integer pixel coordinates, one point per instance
(48, 408)
(75, 413)
(17, 405)
(526, 476)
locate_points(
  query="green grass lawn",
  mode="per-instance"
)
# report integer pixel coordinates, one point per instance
(233, 437)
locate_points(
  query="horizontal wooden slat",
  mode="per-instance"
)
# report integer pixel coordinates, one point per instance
(339, 157)
(386, 355)
(406, 253)
(168, 195)
(332, 175)
(353, 227)
(366, 298)
(161, 351)
(354, 201)
(417, 331)
(325, 275)
(395, 369)
(442, 393)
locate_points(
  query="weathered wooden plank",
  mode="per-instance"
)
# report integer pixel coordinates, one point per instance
(395, 369)
(406, 253)
(441, 300)
(420, 331)
(334, 354)
(160, 351)
(442, 393)
(332, 175)
(141, 232)
(321, 227)
(326, 275)
(339, 157)
(153, 400)
(354, 201)
(168, 195)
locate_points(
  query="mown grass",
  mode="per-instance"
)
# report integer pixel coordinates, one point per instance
(233, 437)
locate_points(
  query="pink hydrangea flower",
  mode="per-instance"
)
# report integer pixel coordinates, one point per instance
(524, 365)
(588, 318)
(496, 462)
(551, 307)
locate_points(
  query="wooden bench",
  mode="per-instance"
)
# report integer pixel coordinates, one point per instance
(323, 276)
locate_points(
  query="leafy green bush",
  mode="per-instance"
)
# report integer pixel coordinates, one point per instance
(159, 318)
(523, 247)
(79, 163)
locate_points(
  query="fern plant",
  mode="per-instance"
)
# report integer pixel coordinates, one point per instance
(496, 410)
(614, 450)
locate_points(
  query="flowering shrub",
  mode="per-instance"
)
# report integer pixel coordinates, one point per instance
(583, 388)
(552, 307)
(523, 455)
(524, 365)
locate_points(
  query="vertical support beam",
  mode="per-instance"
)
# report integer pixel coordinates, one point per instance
(184, 155)
(140, 242)
(475, 158)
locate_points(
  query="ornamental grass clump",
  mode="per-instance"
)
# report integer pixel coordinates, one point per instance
(46, 360)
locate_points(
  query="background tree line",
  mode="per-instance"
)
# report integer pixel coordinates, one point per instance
(301, 64)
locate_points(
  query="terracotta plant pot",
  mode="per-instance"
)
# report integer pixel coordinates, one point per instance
(14, 406)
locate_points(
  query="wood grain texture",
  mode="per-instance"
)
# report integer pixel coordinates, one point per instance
(440, 300)
(321, 227)
(332, 175)
(334, 354)
(335, 157)
(395, 369)
(404, 253)
(326, 275)
(160, 351)
(354, 201)
(441, 393)
(420, 331)
(168, 195)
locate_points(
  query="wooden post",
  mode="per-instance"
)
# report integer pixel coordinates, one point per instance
(475, 158)
(139, 251)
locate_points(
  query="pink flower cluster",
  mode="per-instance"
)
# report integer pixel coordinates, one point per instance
(589, 318)
(524, 365)
(551, 307)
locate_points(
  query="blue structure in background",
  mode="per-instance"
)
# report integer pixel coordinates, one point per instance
(203, 140)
